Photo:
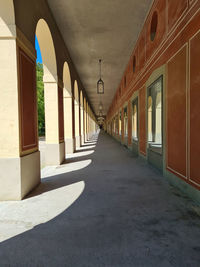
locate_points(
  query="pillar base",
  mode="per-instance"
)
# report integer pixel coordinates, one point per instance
(54, 154)
(78, 141)
(90, 135)
(86, 138)
(19, 176)
(82, 139)
(69, 146)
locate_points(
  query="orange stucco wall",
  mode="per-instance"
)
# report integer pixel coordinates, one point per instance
(194, 134)
(176, 113)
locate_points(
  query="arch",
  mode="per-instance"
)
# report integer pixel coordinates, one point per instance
(158, 122)
(46, 43)
(77, 114)
(81, 99)
(67, 103)
(53, 97)
(76, 92)
(154, 25)
(7, 18)
(150, 134)
(67, 78)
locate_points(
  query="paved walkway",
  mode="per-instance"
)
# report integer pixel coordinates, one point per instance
(103, 207)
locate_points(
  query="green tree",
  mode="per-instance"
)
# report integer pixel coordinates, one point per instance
(40, 99)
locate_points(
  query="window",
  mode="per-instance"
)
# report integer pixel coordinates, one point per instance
(116, 125)
(155, 113)
(154, 24)
(120, 123)
(150, 136)
(134, 63)
(125, 122)
(158, 126)
(135, 119)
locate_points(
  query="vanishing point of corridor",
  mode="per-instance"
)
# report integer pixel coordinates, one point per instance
(103, 207)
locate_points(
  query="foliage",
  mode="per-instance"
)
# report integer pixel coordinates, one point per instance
(40, 99)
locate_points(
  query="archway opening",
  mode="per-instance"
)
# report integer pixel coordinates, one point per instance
(67, 103)
(46, 86)
(82, 117)
(77, 114)
(40, 92)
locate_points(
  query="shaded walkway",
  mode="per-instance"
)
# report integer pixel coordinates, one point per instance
(123, 214)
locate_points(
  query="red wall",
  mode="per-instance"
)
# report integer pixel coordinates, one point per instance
(28, 108)
(176, 45)
(195, 109)
(176, 113)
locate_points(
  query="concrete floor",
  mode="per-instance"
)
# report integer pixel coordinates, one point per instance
(103, 207)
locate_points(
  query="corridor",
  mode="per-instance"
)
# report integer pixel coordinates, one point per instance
(102, 207)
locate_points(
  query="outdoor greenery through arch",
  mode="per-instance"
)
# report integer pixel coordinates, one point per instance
(40, 99)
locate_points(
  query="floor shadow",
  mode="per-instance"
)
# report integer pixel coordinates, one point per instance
(126, 216)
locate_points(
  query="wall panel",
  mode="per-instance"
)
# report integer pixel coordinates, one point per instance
(142, 125)
(195, 109)
(28, 108)
(176, 113)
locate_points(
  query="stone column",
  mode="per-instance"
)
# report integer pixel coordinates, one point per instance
(19, 155)
(77, 123)
(82, 125)
(85, 125)
(69, 141)
(54, 125)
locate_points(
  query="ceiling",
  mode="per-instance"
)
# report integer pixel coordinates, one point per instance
(106, 29)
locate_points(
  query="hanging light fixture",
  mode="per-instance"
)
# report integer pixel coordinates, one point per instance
(100, 83)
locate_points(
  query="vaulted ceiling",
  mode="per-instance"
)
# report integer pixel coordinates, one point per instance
(106, 29)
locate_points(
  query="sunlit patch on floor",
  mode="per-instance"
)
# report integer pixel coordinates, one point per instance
(20, 216)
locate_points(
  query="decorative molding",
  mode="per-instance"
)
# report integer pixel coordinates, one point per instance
(25, 44)
(26, 148)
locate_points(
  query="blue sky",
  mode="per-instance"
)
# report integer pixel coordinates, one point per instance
(37, 47)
